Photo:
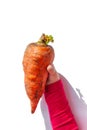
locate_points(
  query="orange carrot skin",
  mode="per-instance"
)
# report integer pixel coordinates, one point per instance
(35, 61)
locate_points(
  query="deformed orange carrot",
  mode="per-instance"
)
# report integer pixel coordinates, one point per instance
(37, 57)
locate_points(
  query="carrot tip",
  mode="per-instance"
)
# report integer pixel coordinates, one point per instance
(32, 111)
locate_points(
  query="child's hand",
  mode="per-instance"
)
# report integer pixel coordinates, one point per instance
(53, 75)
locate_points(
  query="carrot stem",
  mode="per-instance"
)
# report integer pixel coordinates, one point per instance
(45, 39)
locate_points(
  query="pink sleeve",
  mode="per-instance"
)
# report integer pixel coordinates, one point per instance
(60, 113)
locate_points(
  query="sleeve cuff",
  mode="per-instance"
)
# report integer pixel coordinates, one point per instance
(53, 86)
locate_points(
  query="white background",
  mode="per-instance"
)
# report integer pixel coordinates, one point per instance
(22, 22)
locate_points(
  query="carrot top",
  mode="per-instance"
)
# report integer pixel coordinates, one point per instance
(45, 39)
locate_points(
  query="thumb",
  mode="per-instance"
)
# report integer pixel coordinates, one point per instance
(51, 69)
(53, 75)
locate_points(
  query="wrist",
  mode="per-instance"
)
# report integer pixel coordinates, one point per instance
(53, 78)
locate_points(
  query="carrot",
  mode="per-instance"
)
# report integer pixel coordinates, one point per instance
(37, 57)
